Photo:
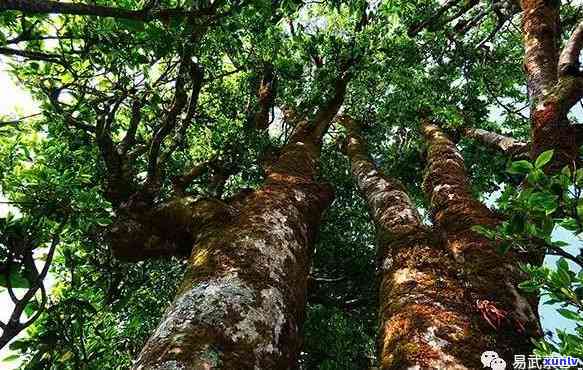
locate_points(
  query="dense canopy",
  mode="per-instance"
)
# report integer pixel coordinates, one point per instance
(277, 184)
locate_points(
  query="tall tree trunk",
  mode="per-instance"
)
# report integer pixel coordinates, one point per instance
(506, 319)
(423, 317)
(241, 303)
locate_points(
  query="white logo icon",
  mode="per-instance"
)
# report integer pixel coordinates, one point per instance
(492, 360)
(498, 364)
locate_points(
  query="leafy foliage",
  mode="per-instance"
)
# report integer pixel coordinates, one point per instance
(536, 210)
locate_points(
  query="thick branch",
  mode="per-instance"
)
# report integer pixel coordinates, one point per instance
(420, 289)
(315, 130)
(197, 79)
(169, 229)
(55, 7)
(391, 209)
(266, 97)
(180, 183)
(446, 183)
(298, 160)
(504, 144)
(130, 137)
(491, 276)
(569, 58)
(119, 181)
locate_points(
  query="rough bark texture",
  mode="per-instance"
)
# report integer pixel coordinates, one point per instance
(552, 91)
(508, 319)
(423, 321)
(540, 27)
(241, 303)
(504, 144)
(168, 229)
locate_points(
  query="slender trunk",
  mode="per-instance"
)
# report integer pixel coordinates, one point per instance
(423, 321)
(241, 303)
(506, 319)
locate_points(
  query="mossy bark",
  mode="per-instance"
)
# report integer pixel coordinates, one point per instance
(552, 92)
(502, 315)
(423, 317)
(241, 303)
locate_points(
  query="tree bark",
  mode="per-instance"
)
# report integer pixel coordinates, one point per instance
(504, 144)
(265, 95)
(505, 319)
(423, 317)
(552, 91)
(241, 303)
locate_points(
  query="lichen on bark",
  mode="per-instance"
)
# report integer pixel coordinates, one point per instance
(241, 302)
(501, 312)
(422, 305)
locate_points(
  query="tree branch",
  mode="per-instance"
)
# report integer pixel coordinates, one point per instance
(569, 58)
(180, 98)
(180, 183)
(13, 326)
(506, 145)
(34, 55)
(18, 120)
(418, 27)
(144, 15)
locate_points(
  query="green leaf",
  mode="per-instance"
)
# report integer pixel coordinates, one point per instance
(544, 158)
(11, 358)
(569, 224)
(580, 208)
(571, 315)
(488, 233)
(529, 286)
(543, 201)
(21, 344)
(17, 279)
(535, 176)
(520, 167)
(503, 248)
(562, 264)
(131, 25)
(66, 356)
(31, 308)
(579, 176)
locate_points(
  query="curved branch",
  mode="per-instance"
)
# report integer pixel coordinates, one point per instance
(13, 326)
(569, 58)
